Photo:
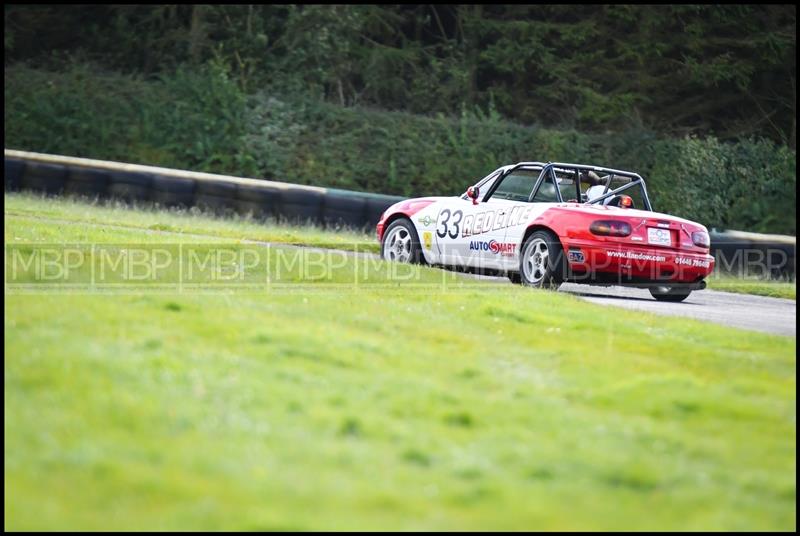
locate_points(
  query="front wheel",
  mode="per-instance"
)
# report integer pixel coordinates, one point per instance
(669, 294)
(541, 261)
(401, 243)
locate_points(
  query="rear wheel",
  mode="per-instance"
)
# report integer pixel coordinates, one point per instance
(669, 294)
(401, 243)
(541, 261)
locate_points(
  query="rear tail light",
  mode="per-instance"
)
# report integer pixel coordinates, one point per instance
(610, 228)
(701, 238)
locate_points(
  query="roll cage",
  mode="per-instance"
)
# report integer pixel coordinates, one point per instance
(550, 169)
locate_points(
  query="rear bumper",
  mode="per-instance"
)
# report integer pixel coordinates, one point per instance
(620, 263)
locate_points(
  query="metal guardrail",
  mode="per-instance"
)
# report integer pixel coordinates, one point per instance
(736, 251)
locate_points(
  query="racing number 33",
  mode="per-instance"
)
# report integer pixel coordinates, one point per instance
(444, 222)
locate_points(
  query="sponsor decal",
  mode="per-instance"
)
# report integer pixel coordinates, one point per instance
(426, 220)
(637, 238)
(454, 223)
(505, 249)
(427, 238)
(636, 256)
(688, 261)
(575, 256)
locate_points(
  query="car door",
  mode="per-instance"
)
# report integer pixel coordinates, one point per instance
(468, 234)
(523, 214)
(472, 234)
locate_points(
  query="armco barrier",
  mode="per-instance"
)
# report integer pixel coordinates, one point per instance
(736, 251)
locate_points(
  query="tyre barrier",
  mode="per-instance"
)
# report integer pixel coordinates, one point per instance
(300, 206)
(87, 182)
(216, 196)
(173, 192)
(376, 206)
(750, 254)
(343, 210)
(47, 178)
(130, 186)
(133, 183)
(14, 169)
(258, 201)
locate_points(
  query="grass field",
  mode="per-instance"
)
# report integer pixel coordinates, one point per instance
(760, 287)
(186, 222)
(446, 404)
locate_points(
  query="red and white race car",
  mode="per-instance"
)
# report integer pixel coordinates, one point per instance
(546, 223)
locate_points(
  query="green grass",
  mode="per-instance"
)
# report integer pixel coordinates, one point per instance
(186, 222)
(451, 404)
(760, 287)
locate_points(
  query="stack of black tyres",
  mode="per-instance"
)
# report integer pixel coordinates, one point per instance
(344, 210)
(259, 201)
(173, 191)
(376, 207)
(14, 170)
(779, 258)
(45, 178)
(742, 256)
(216, 196)
(130, 186)
(87, 182)
(300, 206)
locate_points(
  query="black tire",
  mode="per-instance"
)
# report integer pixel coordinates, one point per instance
(376, 206)
(14, 171)
(546, 270)
(131, 186)
(301, 205)
(514, 277)
(344, 210)
(670, 294)
(87, 182)
(173, 191)
(258, 201)
(411, 251)
(216, 196)
(47, 178)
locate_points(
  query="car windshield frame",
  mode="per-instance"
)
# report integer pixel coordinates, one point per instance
(551, 168)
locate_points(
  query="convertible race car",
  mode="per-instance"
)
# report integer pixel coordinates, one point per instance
(542, 224)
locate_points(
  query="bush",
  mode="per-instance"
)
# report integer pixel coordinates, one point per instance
(746, 185)
(192, 120)
(201, 121)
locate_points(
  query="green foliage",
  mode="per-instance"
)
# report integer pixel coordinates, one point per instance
(746, 185)
(729, 71)
(190, 119)
(200, 120)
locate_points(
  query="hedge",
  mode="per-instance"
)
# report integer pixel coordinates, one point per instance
(200, 121)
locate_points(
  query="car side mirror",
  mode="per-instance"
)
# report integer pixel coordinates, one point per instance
(473, 192)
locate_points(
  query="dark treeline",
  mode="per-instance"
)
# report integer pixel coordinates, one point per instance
(726, 71)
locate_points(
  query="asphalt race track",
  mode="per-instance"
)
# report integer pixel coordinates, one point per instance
(745, 311)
